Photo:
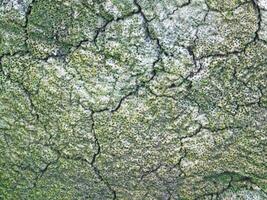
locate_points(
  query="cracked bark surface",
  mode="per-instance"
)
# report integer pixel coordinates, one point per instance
(133, 99)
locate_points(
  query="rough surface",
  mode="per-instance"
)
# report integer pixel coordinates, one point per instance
(133, 99)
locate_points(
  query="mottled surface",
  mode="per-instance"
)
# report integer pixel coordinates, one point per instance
(133, 99)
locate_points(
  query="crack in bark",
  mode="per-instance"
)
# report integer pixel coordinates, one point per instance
(176, 9)
(27, 16)
(26, 92)
(147, 173)
(93, 161)
(160, 52)
(259, 17)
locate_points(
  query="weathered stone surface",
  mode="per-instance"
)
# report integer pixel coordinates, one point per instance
(133, 99)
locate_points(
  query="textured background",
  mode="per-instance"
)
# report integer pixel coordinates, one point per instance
(133, 99)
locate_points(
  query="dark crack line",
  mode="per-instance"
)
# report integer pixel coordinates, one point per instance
(27, 93)
(176, 9)
(231, 9)
(196, 132)
(44, 170)
(146, 21)
(147, 173)
(93, 161)
(102, 29)
(229, 185)
(259, 17)
(178, 164)
(27, 16)
(124, 98)
(255, 39)
(159, 54)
